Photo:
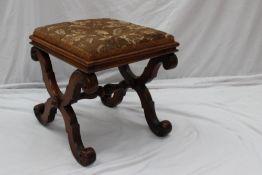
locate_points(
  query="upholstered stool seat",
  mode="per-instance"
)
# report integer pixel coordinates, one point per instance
(93, 45)
(96, 44)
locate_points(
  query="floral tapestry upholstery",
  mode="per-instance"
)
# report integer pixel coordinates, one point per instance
(95, 39)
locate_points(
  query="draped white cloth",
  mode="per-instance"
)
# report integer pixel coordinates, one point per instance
(217, 121)
(217, 131)
(217, 37)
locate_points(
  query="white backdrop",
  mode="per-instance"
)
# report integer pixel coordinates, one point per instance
(217, 121)
(218, 37)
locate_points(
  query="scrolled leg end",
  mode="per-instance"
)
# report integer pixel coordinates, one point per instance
(86, 156)
(163, 128)
(44, 116)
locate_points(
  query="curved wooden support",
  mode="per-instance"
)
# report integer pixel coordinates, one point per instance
(88, 82)
(84, 156)
(79, 80)
(85, 85)
(116, 95)
(158, 128)
(150, 72)
(47, 72)
(45, 113)
(138, 84)
(113, 94)
(170, 61)
(114, 99)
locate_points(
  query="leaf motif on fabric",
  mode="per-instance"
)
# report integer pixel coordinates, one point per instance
(148, 31)
(76, 37)
(100, 47)
(101, 32)
(133, 27)
(51, 28)
(105, 38)
(90, 40)
(67, 40)
(129, 40)
(60, 32)
(137, 36)
(117, 31)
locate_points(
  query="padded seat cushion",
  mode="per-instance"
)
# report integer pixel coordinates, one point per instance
(95, 39)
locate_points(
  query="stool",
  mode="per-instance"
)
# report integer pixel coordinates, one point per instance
(93, 45)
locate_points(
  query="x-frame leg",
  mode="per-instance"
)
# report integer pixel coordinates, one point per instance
(85, 86)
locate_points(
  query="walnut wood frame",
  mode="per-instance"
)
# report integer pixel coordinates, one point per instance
(84, 85)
